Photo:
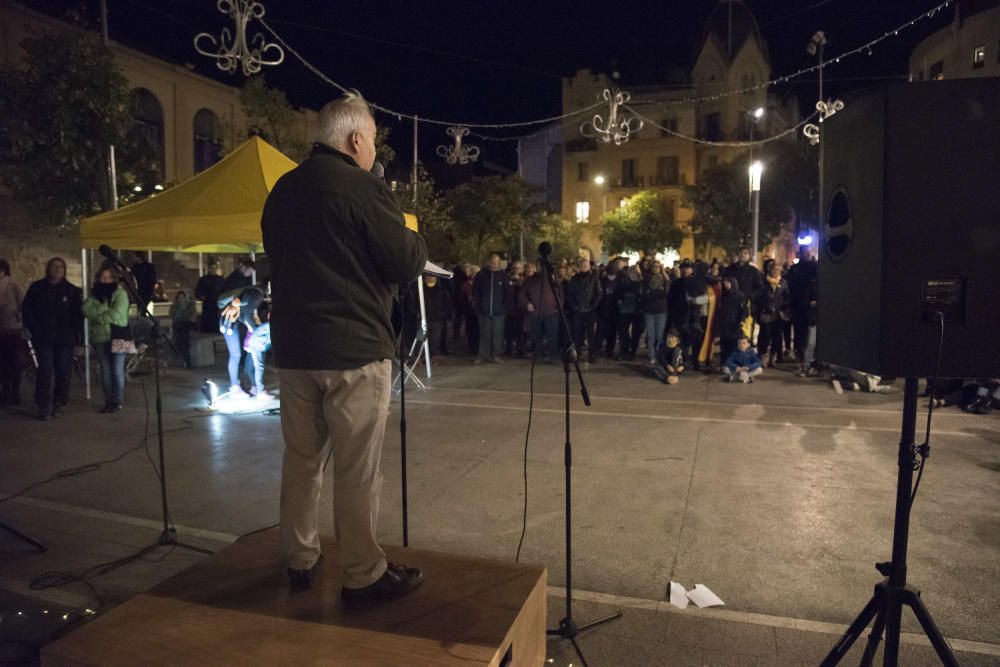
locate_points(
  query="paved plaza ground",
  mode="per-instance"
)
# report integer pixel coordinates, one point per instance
(777, 495)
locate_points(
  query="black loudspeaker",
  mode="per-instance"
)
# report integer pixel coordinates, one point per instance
(912, 228)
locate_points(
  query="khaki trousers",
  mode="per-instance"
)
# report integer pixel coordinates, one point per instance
(342, 411)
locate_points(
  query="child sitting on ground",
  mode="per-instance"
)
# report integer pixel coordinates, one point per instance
(743, 362)
(670, 359)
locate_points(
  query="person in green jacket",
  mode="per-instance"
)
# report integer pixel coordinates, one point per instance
(106, 310)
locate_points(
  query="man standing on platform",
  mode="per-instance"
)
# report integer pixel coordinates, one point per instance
(337, 246)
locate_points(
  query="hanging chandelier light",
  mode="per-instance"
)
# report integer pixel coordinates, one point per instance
(825, 109)
(458, 153)
(234, 48)
(618, 127)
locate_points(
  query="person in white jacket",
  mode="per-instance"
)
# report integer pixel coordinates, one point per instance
(11, 343)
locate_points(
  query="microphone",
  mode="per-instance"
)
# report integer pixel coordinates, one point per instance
(544, 250)
(110, 254)
(378, 170)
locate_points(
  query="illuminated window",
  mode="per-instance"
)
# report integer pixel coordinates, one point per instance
(583, 171)
(936, 71)
(979, 57)
(583, 212)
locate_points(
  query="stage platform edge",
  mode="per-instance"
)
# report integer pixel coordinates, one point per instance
(235, 607)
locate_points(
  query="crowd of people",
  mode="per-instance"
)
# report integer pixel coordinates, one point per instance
(618, 311)
(732, 319)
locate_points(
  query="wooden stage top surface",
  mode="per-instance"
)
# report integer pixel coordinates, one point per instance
(235, 607)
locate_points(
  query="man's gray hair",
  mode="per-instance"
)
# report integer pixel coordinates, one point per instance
(339, 118)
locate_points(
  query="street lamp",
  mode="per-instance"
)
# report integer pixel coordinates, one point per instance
(753, 117)
(600, 180)
(755, 171)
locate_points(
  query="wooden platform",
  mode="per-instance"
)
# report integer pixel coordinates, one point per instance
(235, 608)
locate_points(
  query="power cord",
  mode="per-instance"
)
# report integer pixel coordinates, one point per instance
(527, 436)
(924, 450)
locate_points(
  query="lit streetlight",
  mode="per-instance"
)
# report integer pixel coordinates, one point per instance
(755, 171)
(599, 179)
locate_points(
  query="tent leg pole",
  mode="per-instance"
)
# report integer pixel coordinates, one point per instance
(253, 258)
(201, 263)
(86, 328)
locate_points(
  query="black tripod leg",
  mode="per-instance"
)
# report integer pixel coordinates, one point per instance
(583, 660)
(837, 653)
(41, 548)
(871, 648)
(932, 632)
(609, 617)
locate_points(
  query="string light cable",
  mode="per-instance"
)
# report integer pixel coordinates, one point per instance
(431, 121)
(738, 144)
(864, 48)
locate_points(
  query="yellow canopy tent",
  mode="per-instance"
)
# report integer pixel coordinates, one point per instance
(217, 210)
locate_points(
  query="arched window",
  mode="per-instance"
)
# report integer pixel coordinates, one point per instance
(207, 140)
(146, 135)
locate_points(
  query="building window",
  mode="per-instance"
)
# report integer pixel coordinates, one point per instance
(713, 161)
(936, 71)
(583, 212)
(979, 57)
(669, 125)
(629, 179)
(713, 126)
(668, 170)
(147, 132)
(583, 171)
(207, 140)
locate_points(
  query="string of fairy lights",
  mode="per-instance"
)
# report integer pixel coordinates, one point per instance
(616, 122)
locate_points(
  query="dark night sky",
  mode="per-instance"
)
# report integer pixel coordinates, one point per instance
(492, 61)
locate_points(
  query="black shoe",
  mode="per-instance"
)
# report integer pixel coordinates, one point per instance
(44, 415)
(301, 580)
(106, 409)
(57, 410)
(397, 581)
(115, 407)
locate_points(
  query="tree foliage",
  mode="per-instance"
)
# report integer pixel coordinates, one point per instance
(492, 211)
(721, 198)
(561, 233)
(645, 224)
(434, 216)
(60, 108)
(270, 116)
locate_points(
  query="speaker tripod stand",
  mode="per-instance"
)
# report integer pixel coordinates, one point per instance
(893, 593)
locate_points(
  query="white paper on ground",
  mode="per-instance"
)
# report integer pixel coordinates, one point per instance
(703, 597)
(430, 268)
(678, 595)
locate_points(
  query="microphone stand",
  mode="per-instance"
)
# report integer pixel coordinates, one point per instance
(169, 535)
(568, 628)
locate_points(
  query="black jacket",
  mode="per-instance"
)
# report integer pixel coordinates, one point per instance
(732, 310)
(208, 289)
(437, 302)
(750, 279)
(801, 287)
(337, 246)
(491, 292)
(771, 303)
(677, 303)
(611, 291)
(654, 299)
(583, 292)
(52, 313)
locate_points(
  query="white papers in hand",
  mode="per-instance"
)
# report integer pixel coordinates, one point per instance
(701, 596)
(678, 595)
